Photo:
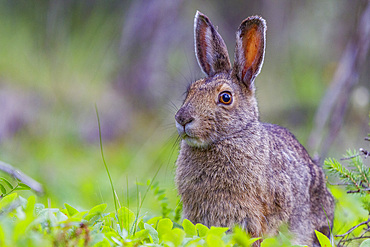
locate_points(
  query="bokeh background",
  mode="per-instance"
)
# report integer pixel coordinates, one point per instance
(134, 60)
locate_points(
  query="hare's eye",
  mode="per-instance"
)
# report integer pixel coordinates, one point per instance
(225, 98)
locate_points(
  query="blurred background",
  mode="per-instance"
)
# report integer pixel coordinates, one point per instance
(134, 60)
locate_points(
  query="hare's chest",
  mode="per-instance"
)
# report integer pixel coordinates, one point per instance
(221, 191)
(214, 181)
(214, 172)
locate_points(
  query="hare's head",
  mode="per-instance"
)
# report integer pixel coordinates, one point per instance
(223, 103)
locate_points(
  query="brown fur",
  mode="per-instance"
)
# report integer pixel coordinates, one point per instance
(234, 169)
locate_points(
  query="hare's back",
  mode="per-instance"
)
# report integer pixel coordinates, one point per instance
(284, 141)
(288, 154)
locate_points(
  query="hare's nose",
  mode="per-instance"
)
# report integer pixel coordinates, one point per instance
(183, 117)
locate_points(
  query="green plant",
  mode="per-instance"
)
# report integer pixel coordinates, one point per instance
(167, 210)
(7, 187)
(356, 177)
(28, 223)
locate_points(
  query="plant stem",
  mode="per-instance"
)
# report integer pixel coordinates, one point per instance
(105, 164)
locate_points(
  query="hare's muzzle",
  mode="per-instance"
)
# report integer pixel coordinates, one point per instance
(188, 126)
(180, 129)
(183, 118)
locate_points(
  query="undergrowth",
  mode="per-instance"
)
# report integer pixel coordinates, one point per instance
(25, 222)
(355, 176)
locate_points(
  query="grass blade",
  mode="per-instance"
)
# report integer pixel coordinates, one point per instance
(105, 164)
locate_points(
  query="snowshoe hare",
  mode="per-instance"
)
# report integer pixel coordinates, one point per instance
(232, 168)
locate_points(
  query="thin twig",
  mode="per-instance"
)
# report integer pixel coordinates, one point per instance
(355, 238)
(365, 231)
(361, 150)
(338, 184)
(350, 157)
(353, 228)
(353, 191)
(357, 191)
(14, 172)
(365, 152)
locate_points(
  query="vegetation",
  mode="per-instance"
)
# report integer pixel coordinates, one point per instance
(23, 222)
(59, 58)
(355, 177)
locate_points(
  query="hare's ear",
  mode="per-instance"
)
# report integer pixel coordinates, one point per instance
(249, 50)
(210, 48)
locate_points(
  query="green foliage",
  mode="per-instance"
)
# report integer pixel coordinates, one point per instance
(355, 177)
(162, 199)
(7, 188)
(27, 223)
(323, 240)
(366, 243)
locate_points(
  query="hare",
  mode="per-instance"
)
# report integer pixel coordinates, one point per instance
(233, 169)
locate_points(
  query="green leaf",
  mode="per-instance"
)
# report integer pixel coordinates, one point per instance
(366, 202)
(140, 224)
(153, 234)
(23, 225)
(7, 200)
(195, 242)
(2, 188)
(80, 215)
(70, 210)
(109, 232)
(95, 211)
(104, 243)
(202, 230)
(270, 242)
(214, 240)
(30, 208)
(106, 229)
(189, 228)
(164, 226)
(61, 217)
(219, 231)
(365, 243)
(323, 240)
(285, 239)
(154, 221)
(23, 186)
(7, 182)
(39, 207)
(98, 209)
(174, 236)
(126, 218)
(241, 237)
(2, 237)
(142, 234)
(107, 219)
